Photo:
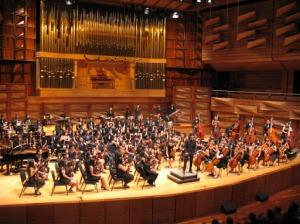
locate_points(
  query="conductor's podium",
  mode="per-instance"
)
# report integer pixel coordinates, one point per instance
(180, 177)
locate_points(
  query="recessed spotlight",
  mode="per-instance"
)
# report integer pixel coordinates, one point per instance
(175, 15)
(146, 11)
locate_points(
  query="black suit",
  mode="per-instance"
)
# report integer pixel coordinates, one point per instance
(189, 151)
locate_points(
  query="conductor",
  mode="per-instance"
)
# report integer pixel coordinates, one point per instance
(189, 151)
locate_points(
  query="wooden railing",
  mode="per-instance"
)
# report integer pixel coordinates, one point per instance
(256, 95)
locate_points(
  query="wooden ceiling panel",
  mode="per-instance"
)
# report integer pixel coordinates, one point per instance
(167, 4)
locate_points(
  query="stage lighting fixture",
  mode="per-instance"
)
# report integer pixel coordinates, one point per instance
(69, 2)
(146, 11)
(175, 15)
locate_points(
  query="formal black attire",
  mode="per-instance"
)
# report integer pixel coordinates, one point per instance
(126, 176)
(189, 151)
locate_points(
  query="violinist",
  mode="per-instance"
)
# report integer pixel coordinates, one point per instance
(94, 172)
(123, 169)
(66, 175)
(34, 177)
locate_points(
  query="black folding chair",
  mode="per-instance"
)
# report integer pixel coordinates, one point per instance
(114, 177)
(86, 181)
(25, 183)
(57, 183)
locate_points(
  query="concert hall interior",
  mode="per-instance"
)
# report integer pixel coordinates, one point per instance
(149, 111)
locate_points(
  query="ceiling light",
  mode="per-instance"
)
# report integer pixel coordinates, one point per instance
(175, 15)
(146, 11)
(68, 2)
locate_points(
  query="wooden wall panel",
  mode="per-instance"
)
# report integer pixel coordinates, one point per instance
(164, 209)
(15, 214)
(92, 212)
(36, 213)
(221, 195)
(117, 212)
(66, 213)
(205, 202)
(141, 211)
(185, 207)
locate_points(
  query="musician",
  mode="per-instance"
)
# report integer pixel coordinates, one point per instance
(123, 169)
(266, 128)
(189, 151)
(2, 122)
(171, 109)
(127, 113)
(138, 113)
(66, 175)
(150, 173)
(17, 124)
(94, 172)
(110, 113)
(34, 177)
(216, 128)
(286, 132)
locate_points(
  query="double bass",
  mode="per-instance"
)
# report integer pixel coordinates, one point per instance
(272, 133)
(201, 131)
(251, 133)
(235, 133)
(291, 137)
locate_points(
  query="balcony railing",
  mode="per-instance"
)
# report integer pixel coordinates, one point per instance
(255, 95)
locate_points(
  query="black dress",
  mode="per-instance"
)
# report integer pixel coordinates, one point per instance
(90, 177)
(126, 176)
(63, 179)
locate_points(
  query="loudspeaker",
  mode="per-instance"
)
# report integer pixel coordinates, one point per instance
(261, 196)
(228, 207)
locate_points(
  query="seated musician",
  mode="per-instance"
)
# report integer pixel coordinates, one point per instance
(110, 113)
(171, 109)
(34, 177)
(2, 123)
(127, 113)
(17, 124)
(123, 169)
(94, 172)
(66, 175)
(150, 173)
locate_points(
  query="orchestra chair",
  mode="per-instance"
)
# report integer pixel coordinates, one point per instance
(57, 183)
(82, 169)
(86, 182)
(136, 174)
(114, 178)
(141, 176)
(25, 183)
(56, 168)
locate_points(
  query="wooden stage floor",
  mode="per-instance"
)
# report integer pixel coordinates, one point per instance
(11, 186)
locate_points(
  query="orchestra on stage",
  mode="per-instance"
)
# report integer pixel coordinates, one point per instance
(133, 146)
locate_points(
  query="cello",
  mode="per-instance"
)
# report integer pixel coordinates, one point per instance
(233, 163)
(253, 157)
